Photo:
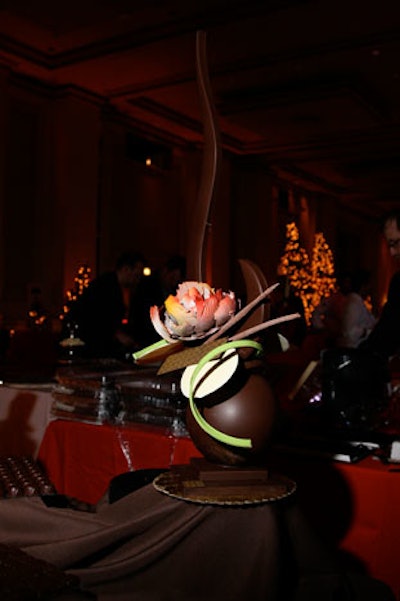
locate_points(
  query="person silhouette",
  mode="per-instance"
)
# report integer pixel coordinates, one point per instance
(102, 312)
(385, 336)
(154, 290)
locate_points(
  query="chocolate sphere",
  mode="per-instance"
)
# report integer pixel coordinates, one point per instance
(248, 413)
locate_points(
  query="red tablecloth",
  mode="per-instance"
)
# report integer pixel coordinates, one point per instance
(81, 459)
(353, 506)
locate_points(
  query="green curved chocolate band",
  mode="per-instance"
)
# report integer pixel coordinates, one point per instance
(210, 430)
(149, 349)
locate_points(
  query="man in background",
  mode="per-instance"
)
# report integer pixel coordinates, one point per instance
(102, 312)
(357, 320)
(385, 336)
(328, 315)
(154, 290)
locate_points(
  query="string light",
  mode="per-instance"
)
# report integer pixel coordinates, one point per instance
(81, 281)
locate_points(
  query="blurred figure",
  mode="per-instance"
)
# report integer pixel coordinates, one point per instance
(102, 312)
(285, 302)
(328, 315)
(166, 280)
(385, 336)
(357, 321)
(154, 290)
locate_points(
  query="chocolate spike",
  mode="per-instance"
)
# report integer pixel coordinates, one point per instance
(243, 312)
(264, 326)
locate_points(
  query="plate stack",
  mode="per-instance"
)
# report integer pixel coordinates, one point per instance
(104, 393)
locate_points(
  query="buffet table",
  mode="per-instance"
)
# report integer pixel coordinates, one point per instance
(82, 458)
(24, 416)
(351, 506)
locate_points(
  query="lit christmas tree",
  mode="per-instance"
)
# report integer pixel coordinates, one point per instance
(310, 281)
(322, 275)
(322, 267)
(81, 281)
(294, 263)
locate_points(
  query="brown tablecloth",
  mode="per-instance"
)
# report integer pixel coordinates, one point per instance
(148, 546)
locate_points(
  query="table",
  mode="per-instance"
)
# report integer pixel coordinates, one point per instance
(24, 417)
(351, 506)
(151, 546)
(81, 459)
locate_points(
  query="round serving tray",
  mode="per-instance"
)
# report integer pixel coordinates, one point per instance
(175, 483)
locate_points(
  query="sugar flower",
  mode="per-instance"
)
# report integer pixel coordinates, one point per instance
(195, 312)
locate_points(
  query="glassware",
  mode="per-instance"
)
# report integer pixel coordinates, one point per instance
(108, 401)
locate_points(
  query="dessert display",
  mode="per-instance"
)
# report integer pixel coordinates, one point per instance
(231, 408)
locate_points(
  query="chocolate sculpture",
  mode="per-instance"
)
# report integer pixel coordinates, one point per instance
(231, 409)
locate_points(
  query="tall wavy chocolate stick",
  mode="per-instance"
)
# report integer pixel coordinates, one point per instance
(201, 213)
(255, 282)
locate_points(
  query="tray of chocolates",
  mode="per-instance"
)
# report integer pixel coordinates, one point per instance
(23, 477)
